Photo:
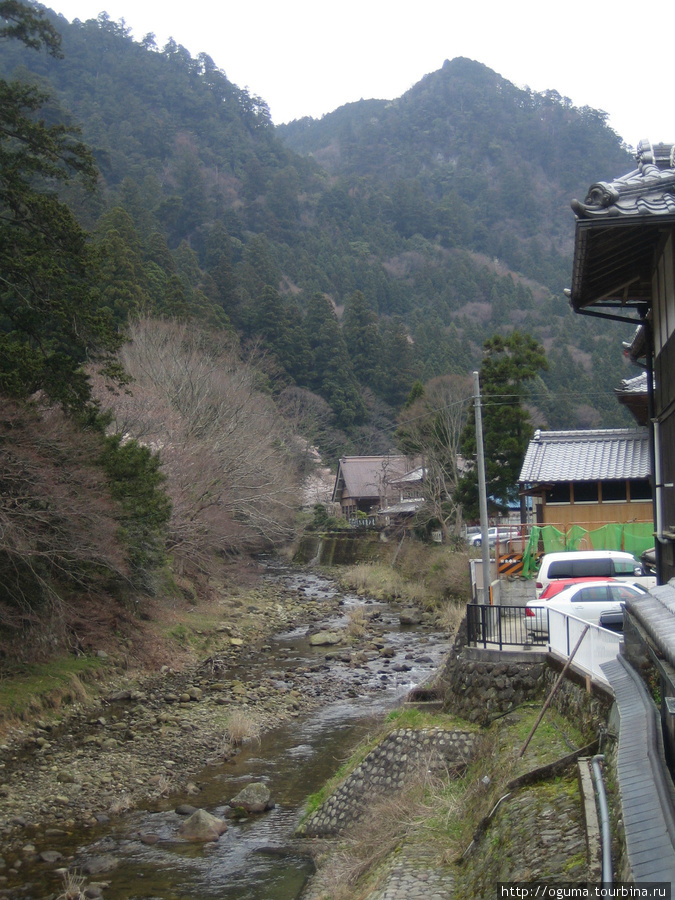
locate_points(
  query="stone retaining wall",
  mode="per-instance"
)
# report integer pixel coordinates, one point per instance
(387, 768)
(482, 684)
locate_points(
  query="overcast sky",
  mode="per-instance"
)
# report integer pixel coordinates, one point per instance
(306, 58)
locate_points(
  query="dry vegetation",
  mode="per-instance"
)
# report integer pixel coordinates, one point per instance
(434, 578)
(242, 727)
(436, 813)
(230, 465)
(57, 521)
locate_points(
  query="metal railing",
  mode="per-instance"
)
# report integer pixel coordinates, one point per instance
(599, 646)
(496, 627)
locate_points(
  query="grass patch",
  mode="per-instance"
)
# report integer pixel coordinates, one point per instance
(434, 578)
(242, 726)
(409, 717)
(33, 688)
(441, 814)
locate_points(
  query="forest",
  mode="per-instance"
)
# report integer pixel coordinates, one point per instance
(192, 298)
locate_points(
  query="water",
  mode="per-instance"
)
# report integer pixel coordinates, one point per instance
(257, 859)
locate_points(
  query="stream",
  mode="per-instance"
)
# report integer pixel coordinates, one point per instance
(252, 860)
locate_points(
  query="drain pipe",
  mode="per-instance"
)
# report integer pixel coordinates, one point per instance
(607, 874)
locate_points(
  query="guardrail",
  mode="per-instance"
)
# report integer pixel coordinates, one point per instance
(497, 627)
(500, 625)
(599, 646)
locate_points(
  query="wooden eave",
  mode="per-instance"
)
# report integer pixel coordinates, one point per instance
(614, 260)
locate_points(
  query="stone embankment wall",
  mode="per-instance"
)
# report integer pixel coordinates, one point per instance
(338, 548)
(387, 768)
(480, 685)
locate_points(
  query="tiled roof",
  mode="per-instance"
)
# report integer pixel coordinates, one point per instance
(602, 455)
(632, 393)
(363, 476)
(648, 190)
(619, 225)
(656, 614)
(405, 507)
(637, 385)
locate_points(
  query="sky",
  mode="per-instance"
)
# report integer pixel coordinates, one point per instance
(307, 58)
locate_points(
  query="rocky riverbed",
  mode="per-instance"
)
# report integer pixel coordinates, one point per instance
(147, 739)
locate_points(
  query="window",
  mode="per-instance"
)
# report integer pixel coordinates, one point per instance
(561, 569)
(596, 567)
(559, 493)
(613, 491)
(640, 489)
(591, 594)
(622, 592)
(627, 567)
(585, 491)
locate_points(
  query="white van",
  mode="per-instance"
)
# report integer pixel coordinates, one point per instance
(593, 564)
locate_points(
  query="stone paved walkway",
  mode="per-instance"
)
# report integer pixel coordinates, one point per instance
(416, 876)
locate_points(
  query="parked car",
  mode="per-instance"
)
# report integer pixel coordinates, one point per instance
(560, 584)
(597, 602)
(592, 564)
(503, 532)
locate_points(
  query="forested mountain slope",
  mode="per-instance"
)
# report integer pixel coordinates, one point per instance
(381, 244)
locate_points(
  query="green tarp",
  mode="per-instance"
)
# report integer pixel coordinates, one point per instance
(633, 537)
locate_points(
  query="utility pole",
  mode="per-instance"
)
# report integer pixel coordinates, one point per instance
(482, 490)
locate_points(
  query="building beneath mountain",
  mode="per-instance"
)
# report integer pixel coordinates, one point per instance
(588, 478)
(624, 269)
(368, 484)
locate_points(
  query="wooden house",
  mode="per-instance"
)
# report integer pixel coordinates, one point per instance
(588, 478)
(367, 484)
(624, 270)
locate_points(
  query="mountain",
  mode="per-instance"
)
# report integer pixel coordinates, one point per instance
(381, 244)
(474, 162)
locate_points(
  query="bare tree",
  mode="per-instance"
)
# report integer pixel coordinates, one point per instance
(229, 460)
(58, 524)
(432, 427)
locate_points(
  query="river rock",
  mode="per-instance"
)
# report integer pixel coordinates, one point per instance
(410, 616)
(202, 826)
(255, 797)
(325, 638)
(184, 809)
(97, 865)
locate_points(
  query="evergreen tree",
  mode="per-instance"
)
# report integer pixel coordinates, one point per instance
(50, 324)
(333, 376)
(398, 363)
(509, 366)
(364, 343)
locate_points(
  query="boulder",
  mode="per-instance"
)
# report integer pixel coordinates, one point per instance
(97, 865)
(253, 798)
(325, 638)
(410, 616)
(202, 826)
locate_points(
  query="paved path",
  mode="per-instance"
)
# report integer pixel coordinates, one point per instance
(416, 876)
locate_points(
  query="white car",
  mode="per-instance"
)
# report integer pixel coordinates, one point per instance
(598, 602)
(615, 564)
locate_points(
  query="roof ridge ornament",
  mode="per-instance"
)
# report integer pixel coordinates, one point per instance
(648, 190)
(660, 155)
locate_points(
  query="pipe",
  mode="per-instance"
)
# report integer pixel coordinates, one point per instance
(658, 487)
(607, 874)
